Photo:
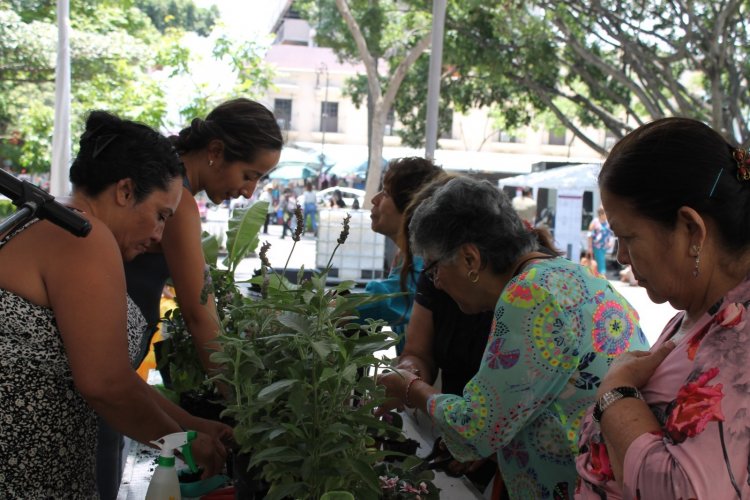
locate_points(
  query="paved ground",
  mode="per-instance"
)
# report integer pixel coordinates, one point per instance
(653, 316)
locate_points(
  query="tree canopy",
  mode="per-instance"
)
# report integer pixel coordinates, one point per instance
(395, 32)
(120, 61)
(605, 65)
(608, 64)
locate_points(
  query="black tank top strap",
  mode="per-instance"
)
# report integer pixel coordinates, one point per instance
(16, 231)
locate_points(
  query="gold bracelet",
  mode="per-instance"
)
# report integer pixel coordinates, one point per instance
(408, 388)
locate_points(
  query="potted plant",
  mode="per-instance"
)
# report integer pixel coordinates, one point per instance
(299, 372)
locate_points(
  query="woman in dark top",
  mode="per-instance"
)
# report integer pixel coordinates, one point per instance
(442, 339)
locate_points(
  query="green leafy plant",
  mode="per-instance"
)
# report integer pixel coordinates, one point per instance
(299, 370)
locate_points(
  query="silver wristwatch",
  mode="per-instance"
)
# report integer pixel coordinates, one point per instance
(612, 396)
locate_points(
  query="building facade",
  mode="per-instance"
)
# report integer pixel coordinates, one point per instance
(308, 100)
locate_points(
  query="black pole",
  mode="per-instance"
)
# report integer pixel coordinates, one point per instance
(33, 201)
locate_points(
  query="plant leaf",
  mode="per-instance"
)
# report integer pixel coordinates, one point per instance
(322, 348)
(364, 470)
(296, 322)
(210, 248)
(242, 232)
(277, 454)
(280, 491)
(270, 392)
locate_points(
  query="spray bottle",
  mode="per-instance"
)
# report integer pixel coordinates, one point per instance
(164, 484)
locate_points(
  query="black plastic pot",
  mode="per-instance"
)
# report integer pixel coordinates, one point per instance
(247, 486)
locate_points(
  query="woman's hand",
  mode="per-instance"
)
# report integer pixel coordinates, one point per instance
(634, 368)
(209, 453)
(211, 446)
(395, 383)
(218, 430)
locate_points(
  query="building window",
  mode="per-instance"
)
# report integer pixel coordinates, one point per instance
(282, 109)
(390, 121)
(506, 137)
(446, 125)
(329, 116)
(556, 138)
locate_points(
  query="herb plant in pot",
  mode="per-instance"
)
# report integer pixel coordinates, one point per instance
(296, 364)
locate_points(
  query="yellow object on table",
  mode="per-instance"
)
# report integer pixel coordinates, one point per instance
(149, 361)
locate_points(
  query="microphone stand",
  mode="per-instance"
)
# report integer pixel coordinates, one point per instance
(33, 201)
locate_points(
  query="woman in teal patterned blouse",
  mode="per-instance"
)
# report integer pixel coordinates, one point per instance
(556, 329)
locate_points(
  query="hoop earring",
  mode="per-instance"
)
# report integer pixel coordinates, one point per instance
(697, 251)
(473, 276)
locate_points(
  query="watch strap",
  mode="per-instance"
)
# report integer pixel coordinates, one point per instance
(610, 397)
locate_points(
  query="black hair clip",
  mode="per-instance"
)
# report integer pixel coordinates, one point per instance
(102, 142)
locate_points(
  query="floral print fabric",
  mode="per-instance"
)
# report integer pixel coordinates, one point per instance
(556, 328)
(47, 430)
(699, 394)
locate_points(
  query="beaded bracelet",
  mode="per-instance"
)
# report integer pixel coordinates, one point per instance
(408, 388)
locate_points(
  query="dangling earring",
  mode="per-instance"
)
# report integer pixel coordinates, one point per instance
(210, 163)
(473, 276)
(695, 249)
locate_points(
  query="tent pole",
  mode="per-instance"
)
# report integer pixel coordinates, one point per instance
(59, 185)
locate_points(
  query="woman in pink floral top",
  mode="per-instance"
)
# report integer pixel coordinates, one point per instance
(674, 422)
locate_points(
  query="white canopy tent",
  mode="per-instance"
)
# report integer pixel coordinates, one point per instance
(567, 186)
(577, 177)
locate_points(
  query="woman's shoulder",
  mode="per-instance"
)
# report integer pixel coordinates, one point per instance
(562, 278)
(98, 245)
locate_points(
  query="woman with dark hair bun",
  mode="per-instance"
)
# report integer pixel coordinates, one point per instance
(69, 331)
(674, 422)
(225, 156)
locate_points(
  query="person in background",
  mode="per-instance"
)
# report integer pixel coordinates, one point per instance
(673, 422)
(289, 204)
(310, 200)
(403, 178)
(337, 200)
(267, 196)
(224, 156)
(555, 330)
(525, 205)
(71, 334)
(600, 240)
(441, 339)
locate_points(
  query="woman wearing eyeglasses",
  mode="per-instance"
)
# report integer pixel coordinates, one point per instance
(555, 330)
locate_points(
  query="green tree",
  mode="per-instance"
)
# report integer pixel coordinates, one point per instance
(371, 32)
(119, 62)
(608, 64)
(179, 13)
(110, 65)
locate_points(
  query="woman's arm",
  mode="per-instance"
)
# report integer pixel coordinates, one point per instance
(628, 419)
(183, 250)
(417, 355)
(86, 289)
(85, 285)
